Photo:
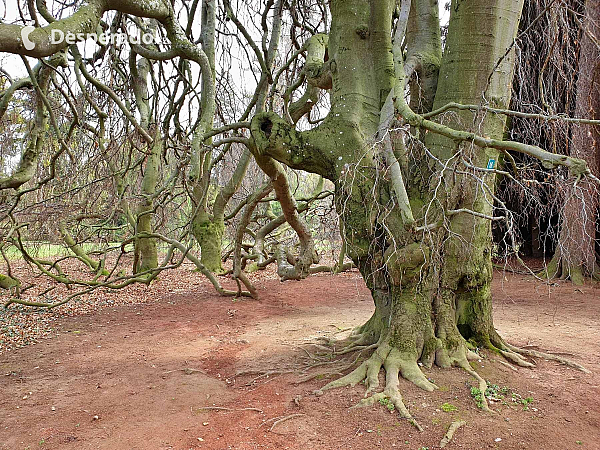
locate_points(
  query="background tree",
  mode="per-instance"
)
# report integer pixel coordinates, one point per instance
(577, 253)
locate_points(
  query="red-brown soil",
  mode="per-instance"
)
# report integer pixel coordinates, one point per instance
(136, 376)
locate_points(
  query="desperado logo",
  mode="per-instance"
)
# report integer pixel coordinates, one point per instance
(25, 32)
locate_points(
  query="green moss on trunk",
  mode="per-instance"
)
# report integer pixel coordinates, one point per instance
(209, 236)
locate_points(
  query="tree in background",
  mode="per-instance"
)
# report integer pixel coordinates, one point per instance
(577, 254)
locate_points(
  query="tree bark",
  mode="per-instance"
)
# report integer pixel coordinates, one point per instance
(575, 257)
(145, 248)
(146, 254)
(426, 288)
(479, 34)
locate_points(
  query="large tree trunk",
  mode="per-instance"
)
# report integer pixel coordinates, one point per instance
(575, 256)
(479, 34)
(145, 248)
(437, 292)
(208, 232)
(425, 285)
(207, 227)
(146, 254)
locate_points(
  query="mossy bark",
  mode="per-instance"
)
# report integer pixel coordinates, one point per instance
(431, 291)
(145, 248)
(466, 265)
(42, 74)
(77, 249)
(208, 228)
(7, 282)
(146, 255)
(209, 235)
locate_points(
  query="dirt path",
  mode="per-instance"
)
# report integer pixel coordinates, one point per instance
(136, 377)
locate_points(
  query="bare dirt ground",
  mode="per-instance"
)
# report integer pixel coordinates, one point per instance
(141, 376)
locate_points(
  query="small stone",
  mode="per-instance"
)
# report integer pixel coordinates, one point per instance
(204, 423)
(200, 440)
(53, 408)
(498, 439)
(96, 418)
(297, 399)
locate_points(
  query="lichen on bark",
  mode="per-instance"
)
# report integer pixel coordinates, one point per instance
(430, 280)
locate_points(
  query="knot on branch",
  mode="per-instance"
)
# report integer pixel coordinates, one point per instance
(404, 264)
(362, 31)
(318, 67)
(578, 167)
(272, 135)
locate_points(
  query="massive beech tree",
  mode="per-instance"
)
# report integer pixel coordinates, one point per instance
(417, 225)
(412, 141)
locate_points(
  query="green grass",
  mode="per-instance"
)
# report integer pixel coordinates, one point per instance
(448, 407)
(387, 403)
(45, 250)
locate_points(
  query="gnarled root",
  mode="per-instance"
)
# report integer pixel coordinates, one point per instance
(460, 357)
(515, 355)
(450, 433)
(482, 385)
(516, 358)
(354, 342)
(395, 363)
(549, 356)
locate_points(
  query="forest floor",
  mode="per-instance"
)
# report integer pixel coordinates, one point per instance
(139, 373)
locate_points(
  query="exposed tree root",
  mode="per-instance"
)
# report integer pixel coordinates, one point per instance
(354, 342)
(222, 408)
(482, 385)
(516, 358)
(549, 356)
(515, 354)
(278, 420)
(341, 365)
(450, 433)
(394, 396)
(504, 363)
(368, 371)
(472, 356)
(395, 364)
(354, 348)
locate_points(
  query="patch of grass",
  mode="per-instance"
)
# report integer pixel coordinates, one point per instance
(526, 402)
(448, 407)
(496, 393)
(477, 396)
(387, 403)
